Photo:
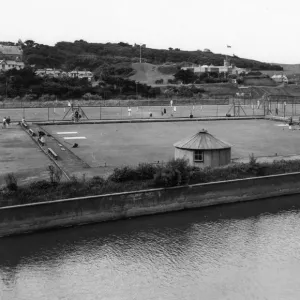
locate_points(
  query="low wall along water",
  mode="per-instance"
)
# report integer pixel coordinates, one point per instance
(47, 215)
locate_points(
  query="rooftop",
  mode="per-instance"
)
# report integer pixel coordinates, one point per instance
(202, 140)
(11, 50)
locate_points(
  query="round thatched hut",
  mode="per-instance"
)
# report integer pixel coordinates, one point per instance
(203, 150)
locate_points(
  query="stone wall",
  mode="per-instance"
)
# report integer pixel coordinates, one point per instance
(77, 211)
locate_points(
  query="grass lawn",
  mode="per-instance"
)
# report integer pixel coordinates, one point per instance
(130, 144)
(20, 155)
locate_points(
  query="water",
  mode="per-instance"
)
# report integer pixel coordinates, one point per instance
(240, 251)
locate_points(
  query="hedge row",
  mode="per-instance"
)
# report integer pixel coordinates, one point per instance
(173, 173)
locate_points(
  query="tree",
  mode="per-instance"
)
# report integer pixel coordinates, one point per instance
(186, 76)
(29, 43)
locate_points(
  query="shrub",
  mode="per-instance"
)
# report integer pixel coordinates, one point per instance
(40, 185)
(96, 181)
(176, 172)
(146, 171)
(11, 182)
(55, 174)
(123, 174)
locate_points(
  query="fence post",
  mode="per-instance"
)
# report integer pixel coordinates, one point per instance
(100, 111)
(48, 113)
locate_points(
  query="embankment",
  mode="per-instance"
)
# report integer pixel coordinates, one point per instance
(78, 211)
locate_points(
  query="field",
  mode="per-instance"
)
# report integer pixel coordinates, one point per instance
(133, 143)
(19, 155)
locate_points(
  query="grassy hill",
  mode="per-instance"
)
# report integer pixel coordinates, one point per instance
(90, 56)
(149, 73)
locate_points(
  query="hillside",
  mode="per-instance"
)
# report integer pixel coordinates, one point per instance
(149, 73)
(92, 56)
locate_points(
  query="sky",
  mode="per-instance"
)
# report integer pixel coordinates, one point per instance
(265, 30)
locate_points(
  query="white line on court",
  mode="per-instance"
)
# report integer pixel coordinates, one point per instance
(281, 125)
(74, 138)
(71, 132)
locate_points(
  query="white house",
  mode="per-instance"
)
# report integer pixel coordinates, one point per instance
(81, 74)
(6, 65)
(280, 78)
(226, 68)
(48, 72)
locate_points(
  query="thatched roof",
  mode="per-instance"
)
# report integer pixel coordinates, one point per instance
(202, 141)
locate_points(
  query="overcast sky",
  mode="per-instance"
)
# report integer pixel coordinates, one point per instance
(266, 30)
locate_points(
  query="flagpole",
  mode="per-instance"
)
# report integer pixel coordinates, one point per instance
(140, 53)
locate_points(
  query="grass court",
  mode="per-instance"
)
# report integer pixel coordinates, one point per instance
(132, 143)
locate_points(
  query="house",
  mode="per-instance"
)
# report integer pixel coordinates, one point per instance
(11, 53)
(280, 78)
(226, 68)
(203, 150)
(81, 74)
(6, 65)
(48, 73)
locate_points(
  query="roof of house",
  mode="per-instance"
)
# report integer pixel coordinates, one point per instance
(13, 62)
(279, 76)
(11, 50)
(202, 140)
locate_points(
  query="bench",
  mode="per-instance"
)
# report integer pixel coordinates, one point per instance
(52, 153)
(32, 132)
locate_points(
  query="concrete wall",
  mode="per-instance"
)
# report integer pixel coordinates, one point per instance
(47, 215)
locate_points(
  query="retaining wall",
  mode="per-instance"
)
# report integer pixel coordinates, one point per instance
(77, 211)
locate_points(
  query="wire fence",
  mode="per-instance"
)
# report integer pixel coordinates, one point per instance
(145, 109)
(130, 112)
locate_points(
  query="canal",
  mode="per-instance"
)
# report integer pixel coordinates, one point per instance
(239, 251)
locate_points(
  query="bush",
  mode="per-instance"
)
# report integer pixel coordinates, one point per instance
(176, 172)
(123, 174)
(55, 174)
(89, 96)
(146, 171)
(11, 182)
(40, 185)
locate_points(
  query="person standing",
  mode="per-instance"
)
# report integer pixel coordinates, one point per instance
(129, 111)
(4, 122)
(8, 121)
(171, 103)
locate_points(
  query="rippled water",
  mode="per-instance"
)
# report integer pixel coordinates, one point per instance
(241, 251)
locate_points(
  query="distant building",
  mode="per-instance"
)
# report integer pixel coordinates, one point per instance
(203, 150)
(6, 65)
(280, 78)
(59, 73)
(226, 68)
(81, 74)
(49, 73)
(11, 53)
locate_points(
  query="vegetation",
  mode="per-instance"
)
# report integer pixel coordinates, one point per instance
(84, 55)
(25, 84)
(173, 173)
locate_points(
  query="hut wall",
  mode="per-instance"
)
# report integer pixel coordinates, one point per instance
(186, 154)
(212, 158)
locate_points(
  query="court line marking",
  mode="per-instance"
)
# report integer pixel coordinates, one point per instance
(74, 138)
(71, 132)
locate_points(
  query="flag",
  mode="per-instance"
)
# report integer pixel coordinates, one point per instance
(228, 46)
